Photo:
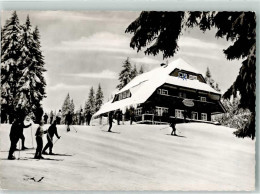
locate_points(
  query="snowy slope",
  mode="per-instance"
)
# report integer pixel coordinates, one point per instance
(138, 157)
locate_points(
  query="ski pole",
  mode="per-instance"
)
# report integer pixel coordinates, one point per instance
(74, 128)
(56, 140)
(19, 149)
(32, 137)
(164, 128)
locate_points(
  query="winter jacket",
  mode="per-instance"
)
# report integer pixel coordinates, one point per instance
(59, 114)
(53, 130)
(17, 129)
(69, 119)
(40, 132)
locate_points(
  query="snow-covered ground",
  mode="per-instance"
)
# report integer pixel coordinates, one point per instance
(137, 157)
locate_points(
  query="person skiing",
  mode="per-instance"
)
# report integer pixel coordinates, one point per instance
(51, 117)
(58, 117)
(50, 133)
(132, 116)
(68, 121)
(45, 117)
(89, 116)
(110, 121)
(39, 133)
(20, 115)
(81, 117)
(15, 133)
(173, 126)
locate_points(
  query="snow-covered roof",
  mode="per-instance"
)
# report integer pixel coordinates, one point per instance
(143, 86)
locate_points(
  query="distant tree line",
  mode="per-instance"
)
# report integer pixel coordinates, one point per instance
(92, 105)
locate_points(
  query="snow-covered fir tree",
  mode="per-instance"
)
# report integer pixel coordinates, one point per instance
(125, 75)
(99, 98)
(210, 81)
(32, 83)
(65, 107)
(235, 117)
(72, 106)
(134, 72)
(10, 73)
(90, 104)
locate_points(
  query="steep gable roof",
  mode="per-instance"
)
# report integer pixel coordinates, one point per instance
(144, 85)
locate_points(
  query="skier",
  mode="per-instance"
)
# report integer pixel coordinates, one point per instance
(45, 117)
(20, 115)
(58, 117)
(39, 133)
(15, 133)
(172, 125)
(51, 117)
(68, 120)
(89, 116)
(50, 133)
(110, 121)
(132, 116)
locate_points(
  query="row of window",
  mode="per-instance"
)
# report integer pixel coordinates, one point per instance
(185, 76)
(194, 115)
(180, 94)
(178, 113)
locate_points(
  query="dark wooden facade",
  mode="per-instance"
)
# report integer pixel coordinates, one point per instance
(163, 106)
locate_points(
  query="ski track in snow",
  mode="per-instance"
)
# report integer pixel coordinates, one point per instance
(141, 157)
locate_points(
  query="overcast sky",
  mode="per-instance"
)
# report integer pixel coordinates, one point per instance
(83, 49)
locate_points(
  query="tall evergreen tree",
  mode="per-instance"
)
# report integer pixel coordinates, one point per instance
(32, 83)
(72, 106)
(66, 107)
(134, 72)
(125, 75)
(99, 98)
(160, 32)
(90, 104)
(210, 81)
(10, 73)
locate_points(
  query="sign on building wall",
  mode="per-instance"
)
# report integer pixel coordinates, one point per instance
(188, 102)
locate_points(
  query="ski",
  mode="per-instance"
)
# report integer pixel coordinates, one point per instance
(110, 131)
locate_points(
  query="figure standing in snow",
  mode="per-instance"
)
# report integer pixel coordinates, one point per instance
(39, 133)
(88, 116)
(118, 117)
(20, 115)
(45, 117)
(132, 116)
(110, 121)
(81, 117)
(58, 117)
(51, 117)
(68, 120)
(173, 126)
(15, 133)
(50, 133)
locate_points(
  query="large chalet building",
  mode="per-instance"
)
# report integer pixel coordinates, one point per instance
(174, 90)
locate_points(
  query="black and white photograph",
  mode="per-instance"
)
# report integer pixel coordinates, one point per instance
(128, 100)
